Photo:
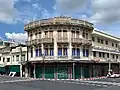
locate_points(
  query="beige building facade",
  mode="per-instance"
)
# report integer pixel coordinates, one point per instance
(12, 58)
(63, 47)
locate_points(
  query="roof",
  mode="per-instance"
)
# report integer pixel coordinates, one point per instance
(106, 34)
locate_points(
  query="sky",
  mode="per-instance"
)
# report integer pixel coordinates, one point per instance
(104, 14)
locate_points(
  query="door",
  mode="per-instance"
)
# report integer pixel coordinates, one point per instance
(77, 72)
(38, 71)
(62, 72)
(49, 72)
(86, 72)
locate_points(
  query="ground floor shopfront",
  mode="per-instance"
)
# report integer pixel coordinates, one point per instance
(10, 68)
(70, 70)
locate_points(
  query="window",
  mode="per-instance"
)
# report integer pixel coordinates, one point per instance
(116, 56)
(46, 52)
(93, 39)
(102, 41)
(116, 45)
(98, 40)
(99, 54)
(75, 52)
(94, 53)
(62, 51)
(77, 34)
(59, 51)
(36, 52)
(73, 34)
(8, 59)
(106, 42)
(103, 54)
(64, 33)
(51, 52)
(40, 52)
(23, 57)
(112, 44)
(17, 57)
(59, 34)
(85, 52)
(50, 34)
(31, 52)
(107, 55)
(3, 59)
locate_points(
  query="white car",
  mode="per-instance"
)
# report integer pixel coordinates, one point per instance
(113, 76)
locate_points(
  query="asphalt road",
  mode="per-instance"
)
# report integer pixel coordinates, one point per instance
(57, 85)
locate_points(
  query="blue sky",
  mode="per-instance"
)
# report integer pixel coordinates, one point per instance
(15, 13)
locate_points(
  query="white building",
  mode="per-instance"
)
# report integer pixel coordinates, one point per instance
(12, 58)
(63, 47)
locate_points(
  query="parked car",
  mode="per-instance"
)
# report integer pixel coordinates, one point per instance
(113, 75)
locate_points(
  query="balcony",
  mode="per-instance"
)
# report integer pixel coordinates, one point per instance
(87, 42)
(62, 40)
(76, 40)
(63, 57)
(76, 57)
(47, 40)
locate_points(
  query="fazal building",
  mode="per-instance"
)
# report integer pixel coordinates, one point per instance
(66, 48)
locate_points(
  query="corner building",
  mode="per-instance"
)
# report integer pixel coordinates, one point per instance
(66, 48)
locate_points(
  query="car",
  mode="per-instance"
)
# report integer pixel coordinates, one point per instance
(113, 75)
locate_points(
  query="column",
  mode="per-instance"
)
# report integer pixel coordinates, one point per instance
(70, 45)
(34, 71)
(81, 52)
(21, 71)
(26, 71)
(34, 53)
(55, 45)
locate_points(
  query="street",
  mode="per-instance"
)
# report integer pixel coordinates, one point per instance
(12, 83)
(16, 83)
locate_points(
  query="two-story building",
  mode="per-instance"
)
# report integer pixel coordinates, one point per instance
(66, 48)
(12, 58)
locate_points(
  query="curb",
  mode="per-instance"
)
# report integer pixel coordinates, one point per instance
(83, 79)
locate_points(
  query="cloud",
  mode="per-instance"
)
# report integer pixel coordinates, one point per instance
(7, 11)
(70, 6)
(16, 36)
(105, 11)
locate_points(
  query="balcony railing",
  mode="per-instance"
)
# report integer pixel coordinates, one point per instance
(62, 40)
(87, 42)
(76, 57)
(76, 40)
(47, 40)
(63, 57)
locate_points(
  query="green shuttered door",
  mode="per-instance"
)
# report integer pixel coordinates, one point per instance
(49, 72)
(14, 68)
(2, 69)
(62, 72)
(39, 71)
(77, 72)
(86, 72)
